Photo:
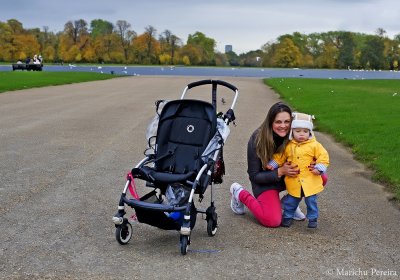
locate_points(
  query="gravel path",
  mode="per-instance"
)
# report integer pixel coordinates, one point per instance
(65, 152)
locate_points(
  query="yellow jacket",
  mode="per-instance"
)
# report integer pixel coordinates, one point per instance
(302, 154)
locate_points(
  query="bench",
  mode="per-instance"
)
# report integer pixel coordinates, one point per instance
(28, 67)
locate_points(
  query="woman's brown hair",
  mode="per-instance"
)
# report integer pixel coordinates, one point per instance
(265, 145)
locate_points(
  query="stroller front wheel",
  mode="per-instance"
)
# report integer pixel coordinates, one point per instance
(184, 244)
(212, 227)
(212, 217)
(123, 233)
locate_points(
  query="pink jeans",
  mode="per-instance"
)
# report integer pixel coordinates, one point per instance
(266, 208)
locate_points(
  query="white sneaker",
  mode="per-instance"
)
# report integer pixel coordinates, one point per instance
(298, 215)
(236, 205)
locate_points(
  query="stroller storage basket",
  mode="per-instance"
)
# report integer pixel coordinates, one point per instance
(152, 206)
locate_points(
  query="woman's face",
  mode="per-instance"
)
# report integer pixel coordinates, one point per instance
(281, 124)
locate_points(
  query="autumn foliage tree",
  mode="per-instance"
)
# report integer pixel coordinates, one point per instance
(287, 54)
(106, 42)
(74, 41)
(169, 47)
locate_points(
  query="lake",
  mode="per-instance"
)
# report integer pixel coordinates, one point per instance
(224, 72)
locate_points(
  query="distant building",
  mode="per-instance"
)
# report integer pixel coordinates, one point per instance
(228, 48)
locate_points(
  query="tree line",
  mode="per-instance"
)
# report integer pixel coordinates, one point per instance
(104, 42)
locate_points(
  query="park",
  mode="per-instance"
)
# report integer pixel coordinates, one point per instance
(65, 153)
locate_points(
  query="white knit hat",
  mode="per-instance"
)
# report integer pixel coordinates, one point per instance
(301, 120)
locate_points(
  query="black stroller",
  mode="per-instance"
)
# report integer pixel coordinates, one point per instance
(183, 160)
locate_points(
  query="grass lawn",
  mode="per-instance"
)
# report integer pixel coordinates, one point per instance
(363, 114)
(28, 79)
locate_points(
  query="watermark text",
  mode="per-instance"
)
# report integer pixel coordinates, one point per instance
(371, 272)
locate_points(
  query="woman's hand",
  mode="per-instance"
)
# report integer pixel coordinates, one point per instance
(288, 169)
(312, 165)
(269, 167)
(316, 172)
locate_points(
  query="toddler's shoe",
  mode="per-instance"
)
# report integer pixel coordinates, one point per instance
(236, 205)
(312, 223)
(286, 222)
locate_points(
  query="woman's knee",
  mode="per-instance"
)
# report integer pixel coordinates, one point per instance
(272, 222)
(272, 217)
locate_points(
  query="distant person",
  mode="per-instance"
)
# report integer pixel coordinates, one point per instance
(35, 59)
(301, 150)
(270, 138)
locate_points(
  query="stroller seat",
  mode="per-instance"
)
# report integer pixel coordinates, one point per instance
(184, 131)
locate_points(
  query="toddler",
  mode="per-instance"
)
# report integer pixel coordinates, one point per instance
(301, 150)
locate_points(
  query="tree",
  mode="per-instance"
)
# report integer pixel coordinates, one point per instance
(233, 58)
(205, 45)
(251, 58)
(6, 39)
(287, 54)
(125, 34)
(300, 40)
(152, 45)
(49, 53)
(372, 56)
(15, 42)
(100, 27)
(380, 32)
(221, 59)
(16, 26)
(191, 55)
(74, 40)
(269, 52)
(327, 56)
(76, 30)
(104, 42)
(346, 51)
(146, 48)
(169, 44)
(25, 45)
(396, 53)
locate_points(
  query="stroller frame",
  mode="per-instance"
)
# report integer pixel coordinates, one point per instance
(150, 209)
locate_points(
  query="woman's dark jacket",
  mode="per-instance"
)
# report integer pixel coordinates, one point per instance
(262, 180)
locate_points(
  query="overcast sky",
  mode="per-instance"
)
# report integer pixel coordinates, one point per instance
(246, 25)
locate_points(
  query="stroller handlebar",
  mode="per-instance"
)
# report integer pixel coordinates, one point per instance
(208, 82)
(214, 84)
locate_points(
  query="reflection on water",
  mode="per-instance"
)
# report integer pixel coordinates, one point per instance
(223, 72)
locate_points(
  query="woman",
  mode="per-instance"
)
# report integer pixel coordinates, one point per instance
(271, 137)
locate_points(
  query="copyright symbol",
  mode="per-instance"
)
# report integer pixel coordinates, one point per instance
(329, 272)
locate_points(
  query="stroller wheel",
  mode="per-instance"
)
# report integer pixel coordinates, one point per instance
(184, 244)
(123, 233)
(212, 217)
(212, 227)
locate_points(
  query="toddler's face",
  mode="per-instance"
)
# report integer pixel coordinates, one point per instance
(301, 134)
